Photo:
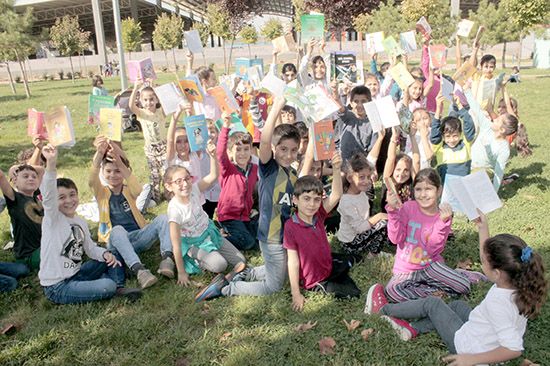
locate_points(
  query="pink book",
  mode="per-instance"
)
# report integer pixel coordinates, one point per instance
(438, 56)
(141, 69)
(36, 127)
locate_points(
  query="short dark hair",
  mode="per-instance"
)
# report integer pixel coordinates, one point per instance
(239, 138)
(203, 72)
(306, 184)
(285, 132)
(96, 80)
(317, 58)
(451, 125)
(289, 109)
(384, 66)
(289, 67)
(428, 175)
(23, 167)
(487, 58)
(360, 90)
(302, 128)
(66, 183)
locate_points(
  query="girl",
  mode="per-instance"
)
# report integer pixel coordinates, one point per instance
(97, 86)
(420, 228)
(510, 105)
(196, 242)
(153, 124)
(358, 232)
(318, 66)
(493, 331)
(207, 78)
(177, 146)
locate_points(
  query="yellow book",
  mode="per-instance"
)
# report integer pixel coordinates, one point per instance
(401, 76)
(110, 123)
(60, 127)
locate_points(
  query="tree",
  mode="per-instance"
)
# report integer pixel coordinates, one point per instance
(272, 29)
(249, 36)
(132, 35)
(68, 38)
(218, 20)
(168, 34)
(413, 10)
(387, 18)
(299, 9)
(438, 15)
(204, 32)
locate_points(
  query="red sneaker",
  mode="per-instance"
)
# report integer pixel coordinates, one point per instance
(376, 299)
(404, 329)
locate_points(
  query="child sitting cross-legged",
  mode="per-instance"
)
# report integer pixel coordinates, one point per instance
(310, 262)
(65, 238)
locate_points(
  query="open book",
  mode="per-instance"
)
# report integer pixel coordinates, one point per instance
(391, 47)
(193, 41)
(319, 104)
(192, 88)
(142, 69)
(470, 193)
(408, 41)
(110, 123)
(381, 113)
(197, 132)
(242, 65)
(96, 102)
(423, 27)
(374, 42)
(60, 127)
(284, 43)
(401, 76)
(323, 137)
(313, 26)
(464, 73)
(170, 96)
(36, 126)
(274, 85)
(447, 88)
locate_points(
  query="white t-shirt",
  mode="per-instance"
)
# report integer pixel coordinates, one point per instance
(495, 322)
(354, 211)
(191, 217)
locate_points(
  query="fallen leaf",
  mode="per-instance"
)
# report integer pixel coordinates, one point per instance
(225, 336)
(197, 284)
(465, 264)
(527, 362)
(352, 325)
(326, 346)
(366, 333)
(305, 326)
(183, 362)
(9, 329)
(205, 309)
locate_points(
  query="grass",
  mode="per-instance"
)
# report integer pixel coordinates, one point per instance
(167, 328)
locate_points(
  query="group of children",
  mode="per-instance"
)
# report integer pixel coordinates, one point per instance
(267, 191)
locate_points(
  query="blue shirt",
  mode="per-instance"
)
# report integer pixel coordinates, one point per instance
(121, 213)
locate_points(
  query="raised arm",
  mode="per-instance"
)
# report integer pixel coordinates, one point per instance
(208, 180)
(475, 47)
(436, 136)
(372, 157)
(265, 152)
(132, 102)
(458, 54)
(331, 201)
(6, 187)
(415, 151)
(430, 83)
(189, 58)
(390, 161)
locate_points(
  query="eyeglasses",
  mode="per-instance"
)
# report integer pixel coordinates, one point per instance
(180, 181)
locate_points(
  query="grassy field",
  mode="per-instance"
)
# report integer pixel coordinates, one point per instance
(167, 328)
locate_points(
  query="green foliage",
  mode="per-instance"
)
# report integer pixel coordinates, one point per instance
(218, 21)
(249, 35)
(386, 18)
(168, 32)
(415, 9)
(361, 22)
(272, 29)
(67, 36)
(16, 40)
(204, 32)
(526, 13)
(299, 9)
(443, 25)
(495, 20)
(339, 14)
(131, 34)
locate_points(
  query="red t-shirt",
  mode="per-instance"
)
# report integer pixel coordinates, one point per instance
(311, 243)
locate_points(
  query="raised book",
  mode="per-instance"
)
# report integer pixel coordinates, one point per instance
(59, 125)
(110, 123)
(192, 88)
(197, 132)
(313, 26)
(401, 76)
(323, 134)
(193, 41)
(382, 113)
(36, 126)
(96, 102)
(142, 69)
(170, 96)
(408, 41)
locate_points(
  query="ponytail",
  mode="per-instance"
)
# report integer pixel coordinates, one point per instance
(522, 142)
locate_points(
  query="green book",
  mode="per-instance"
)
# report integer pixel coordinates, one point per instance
(391, 47)
(313, 26)
(96, 102)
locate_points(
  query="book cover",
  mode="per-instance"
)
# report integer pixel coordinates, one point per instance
(193, 41)
(258, 62)
(464, 28)
(323, 134)
(197, 132)
(132, 68)
(225, 101)
(284, 43)
(488, 91)
(374, 43)
(344, 66)
(391, 47)
(170, 96)
(319, 104)
(423, 27)
(60, 127)
(142, 69)
(96, 102)
(381, 113)
(313, 26)
(401, 76)
(408, 41)
(464, 73)
(241, 67)
(36, 126)
(438, 55)
(447, 88)
(236, 124)
(254, 76)
(273, 84)
(110, 123)
(192, 88)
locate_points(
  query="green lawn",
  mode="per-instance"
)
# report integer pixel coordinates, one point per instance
(167, 328)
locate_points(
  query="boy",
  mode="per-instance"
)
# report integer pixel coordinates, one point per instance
(121, 225)
(66, 237)
(238, 178)
(10, 272)
(278, 149)
(288, 114)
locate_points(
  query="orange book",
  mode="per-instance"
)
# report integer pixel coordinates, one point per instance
(323, 134)
(224, 100)
(60, 127)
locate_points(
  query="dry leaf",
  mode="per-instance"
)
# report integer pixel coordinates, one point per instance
(197, 284)
(366, 333)
(225, 336)
(326, 346)
(305, 326)
(465, 264)
(205, 309)
(527, 362)
(352, 325)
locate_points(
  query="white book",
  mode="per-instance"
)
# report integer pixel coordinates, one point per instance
(255, 76)
(193, 41)
(170, 96)
(474, 192)
(374, 42)
(408, 41)
(382, 113)
(447, 89)
(488, 91)
(464, 28)
(274, 85)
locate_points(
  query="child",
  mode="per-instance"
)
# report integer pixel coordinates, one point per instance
(422, 121)
(278, 149)
(420, 228)
(510, 105)
(288, 115)
(493, 331)
(177, 146)
(514, 76)
(66, 237)
(9, 273)
(318, 66)
(211, 194)
(97, 86)
(238, 177)
(153, 124)
(196, 241)
(310, 262)
(359, 233)
(380, 75)
(121, 225)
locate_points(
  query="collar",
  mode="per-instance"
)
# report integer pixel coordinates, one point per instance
(297, 220)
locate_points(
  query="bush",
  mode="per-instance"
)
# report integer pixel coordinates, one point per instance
(51, 77)
(77, 74)
(70, 75)
(45, 76)
(61, 74)
(90, 74)
(18, 79)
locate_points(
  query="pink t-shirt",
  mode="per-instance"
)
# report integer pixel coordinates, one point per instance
(420, 238)
(311, 243)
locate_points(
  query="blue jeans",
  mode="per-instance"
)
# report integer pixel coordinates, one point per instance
(9, 273)
(128, 244)
(93, 282)
(242, 234)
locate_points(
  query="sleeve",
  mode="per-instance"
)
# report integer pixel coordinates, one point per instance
(435, 134)
(476, 112)
(255, 113)
(425, 63)
(268, 168)
(469, 127)
(353, 216)
(500, 164)
(395, 92)
(221, 151)
(374, 70)
(438, 239)
(173, 214)
(273, 69)
(302, 70)
(397, 227)
(133, 186)
(48, 188)
(503, 318)
(387, 85)
(289, 241)
(92, 250)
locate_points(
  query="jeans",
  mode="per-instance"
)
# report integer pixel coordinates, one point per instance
(242, 234)
(9, 273)
(93, 282)
(266, 279)
(128, 244)
(339, 283)
(432, 313)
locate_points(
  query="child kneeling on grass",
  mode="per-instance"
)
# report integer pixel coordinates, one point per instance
(65, 238)
(493, 331)
(310, 262)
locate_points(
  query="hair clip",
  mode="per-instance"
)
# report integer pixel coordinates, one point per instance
(526, 254)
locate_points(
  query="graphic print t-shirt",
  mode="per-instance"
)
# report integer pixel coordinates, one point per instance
(26, 215)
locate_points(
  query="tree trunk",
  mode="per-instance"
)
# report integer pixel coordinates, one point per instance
(72, 68)
(340, 39)
(25, 82)
(230, 54)
(28, 62)
(249, 52)
(360, 36)
(519, 51)
(166, 58)
(174, 56)
(224, 58)
(79, 63)
(85, 66)
(12, 83)
(504, 55)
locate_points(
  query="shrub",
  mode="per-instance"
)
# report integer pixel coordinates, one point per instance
(77, 74)
(51, 77)
(61, 74)
(90, 74)
(45, 76)
(70, 75)
(18, 79)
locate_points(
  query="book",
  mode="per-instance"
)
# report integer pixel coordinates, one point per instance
(242, 65)
(488, 91)
(197, 132)
(170, 96)
(110, 123)
(391, 47)
(142, 69)
(423, 27)
(60, 127)
(401, 76)
(438, 55)
(255, 76)
(284, 44)
(224, 99)
(319, 104)
(236, 124)
(382, 113)
(273, 84)
(390, 185)
(471, 193)
(36, 126)
(464, 28)
(447, 88)
(96, 102)
(323, 135)
(374, 43)
(464, 73)
(192, 88)
(408, 41)
(193, 41)
(360, 72)
(312, 26)
(344, 66)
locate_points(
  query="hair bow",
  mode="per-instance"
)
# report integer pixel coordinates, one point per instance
(526, 254)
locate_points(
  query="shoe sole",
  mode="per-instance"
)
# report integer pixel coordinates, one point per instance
(201, 292)
(149, 283)
(166, 272)
(403, 333)
(368, 303)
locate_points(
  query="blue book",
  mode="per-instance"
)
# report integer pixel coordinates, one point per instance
(197, 132)
(242, 65)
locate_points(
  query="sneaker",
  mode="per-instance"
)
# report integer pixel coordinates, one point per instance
(213, 290)
(376, 299)
(166, 267)
(132, 294)
(244, 275)
(146, 278)
(239, 267)
(472, 276)
(404, 329)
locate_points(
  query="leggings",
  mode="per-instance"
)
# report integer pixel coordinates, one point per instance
(216, 261)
